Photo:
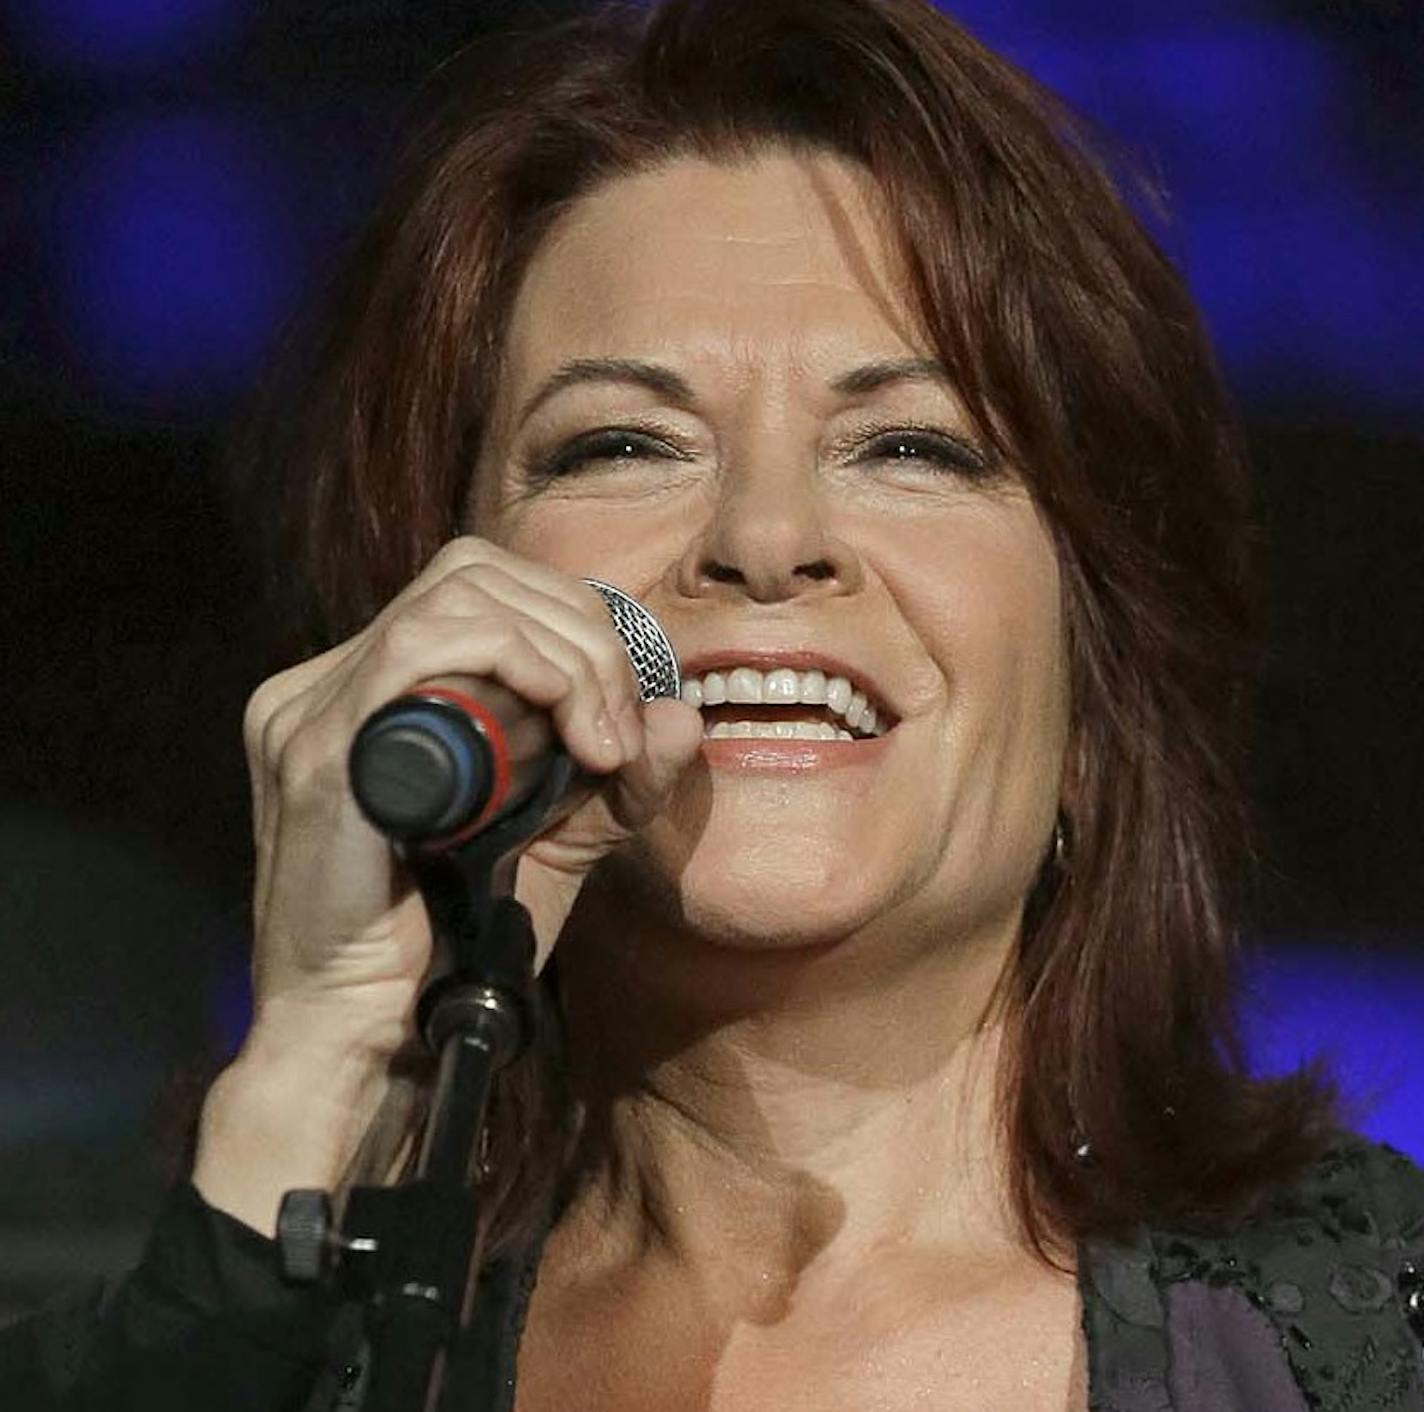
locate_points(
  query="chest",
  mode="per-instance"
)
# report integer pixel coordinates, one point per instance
(886, 1342)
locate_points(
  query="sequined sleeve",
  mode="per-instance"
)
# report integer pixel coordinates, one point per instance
(205, 1321)
(1316, 1303)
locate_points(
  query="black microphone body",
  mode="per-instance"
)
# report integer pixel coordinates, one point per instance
(434, 767)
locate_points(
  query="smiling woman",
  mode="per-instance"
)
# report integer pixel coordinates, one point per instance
(793, 485)
(890, 1058)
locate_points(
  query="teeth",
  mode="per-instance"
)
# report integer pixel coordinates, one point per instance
(775, 730)
(784, 687)
(744, 687)
(813, 688)
(781, 686)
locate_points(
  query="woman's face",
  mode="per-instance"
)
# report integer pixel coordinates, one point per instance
(715, 396)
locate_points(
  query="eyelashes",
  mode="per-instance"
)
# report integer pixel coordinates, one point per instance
(898, 444)
(606, 444)
(932, 446)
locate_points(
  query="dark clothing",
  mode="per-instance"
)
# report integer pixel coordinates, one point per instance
(1315, 1303)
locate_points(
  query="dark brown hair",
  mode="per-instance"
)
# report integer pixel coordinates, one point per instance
(1076, 348)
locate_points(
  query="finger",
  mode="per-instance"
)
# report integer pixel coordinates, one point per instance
(567, 603)
(275, 700)
(516, 652)
(469, 552)
(567, 588)
(588, 627)
(673, 736)
(586, 714)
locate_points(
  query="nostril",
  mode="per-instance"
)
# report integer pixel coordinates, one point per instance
(723, 573)
(819, 570)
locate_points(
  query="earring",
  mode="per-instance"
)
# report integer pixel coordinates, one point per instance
(1062, 843)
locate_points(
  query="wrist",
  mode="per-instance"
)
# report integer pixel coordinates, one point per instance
(352, 1030)
(290, 1111)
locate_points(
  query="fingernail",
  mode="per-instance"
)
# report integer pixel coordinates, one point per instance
(610, 736)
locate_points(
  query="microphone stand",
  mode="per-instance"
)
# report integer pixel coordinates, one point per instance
(411, 1252)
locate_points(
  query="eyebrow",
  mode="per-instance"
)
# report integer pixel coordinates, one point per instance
(629, 371)
(873, 376)
(670, 385)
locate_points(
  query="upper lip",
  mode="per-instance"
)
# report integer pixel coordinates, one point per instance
(766, 660)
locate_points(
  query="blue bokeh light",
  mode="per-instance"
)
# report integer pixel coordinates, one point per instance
(1309, 270)
(176, 258)
(1307, 259)
(121, 36)
(1314, 301)
(1357, 1006)
(1211, 112)
(1001, 24)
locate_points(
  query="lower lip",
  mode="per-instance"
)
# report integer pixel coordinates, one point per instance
(794, 756)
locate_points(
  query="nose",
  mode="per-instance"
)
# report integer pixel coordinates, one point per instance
(767, 539)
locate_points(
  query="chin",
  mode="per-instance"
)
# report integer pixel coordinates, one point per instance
(760, 898)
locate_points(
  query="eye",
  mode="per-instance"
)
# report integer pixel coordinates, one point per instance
(928, 446)
(607, 444)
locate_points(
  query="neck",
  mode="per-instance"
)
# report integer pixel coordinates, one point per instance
(786, 1105)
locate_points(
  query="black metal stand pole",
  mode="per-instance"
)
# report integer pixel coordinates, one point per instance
(412, 1251)
(429, 1237)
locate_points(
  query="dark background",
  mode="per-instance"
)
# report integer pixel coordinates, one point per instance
(178, 177)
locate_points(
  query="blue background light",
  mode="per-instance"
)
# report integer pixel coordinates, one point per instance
(182, 258)
(1356, 1006)
(179, 174)
(122, 36)
(176, 257)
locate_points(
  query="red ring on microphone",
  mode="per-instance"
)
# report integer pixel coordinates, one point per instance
(493, 730)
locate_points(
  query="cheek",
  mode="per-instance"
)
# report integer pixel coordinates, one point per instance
(583, 538)
(983, 598)
(982, 594)
(534, 537)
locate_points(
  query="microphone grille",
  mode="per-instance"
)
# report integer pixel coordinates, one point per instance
(654, 661)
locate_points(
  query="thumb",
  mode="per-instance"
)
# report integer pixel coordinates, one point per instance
(672, 733)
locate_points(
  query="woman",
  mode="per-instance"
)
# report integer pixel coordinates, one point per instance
(899, 1069)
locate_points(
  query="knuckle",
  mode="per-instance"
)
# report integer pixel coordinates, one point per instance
(469, 591)
(560, 651)
(531, 643)
(615, 672)
(405, 636)
(462, 551)
(305, 762)
(280, 725)
(262, 705)
(262, 701)
(465, 592)
(510, 638)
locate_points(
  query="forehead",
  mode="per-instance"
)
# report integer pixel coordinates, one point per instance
(776, 258)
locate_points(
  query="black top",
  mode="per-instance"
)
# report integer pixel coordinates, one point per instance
(1317, 1303)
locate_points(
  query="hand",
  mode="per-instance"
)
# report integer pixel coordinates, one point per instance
(342, 942)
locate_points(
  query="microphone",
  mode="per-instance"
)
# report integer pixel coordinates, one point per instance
(436, 766)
